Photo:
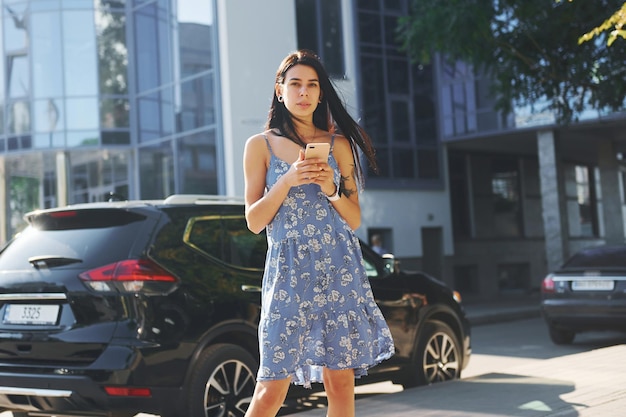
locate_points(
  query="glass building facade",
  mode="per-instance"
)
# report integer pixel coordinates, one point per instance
(106, 96)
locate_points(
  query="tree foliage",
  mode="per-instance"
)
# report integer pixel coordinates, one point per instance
(615, 24)
(529, 48)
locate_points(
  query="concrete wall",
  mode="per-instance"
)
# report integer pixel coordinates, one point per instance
(251, 46)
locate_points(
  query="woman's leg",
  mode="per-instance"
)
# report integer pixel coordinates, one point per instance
(339, 387)
(268, 398)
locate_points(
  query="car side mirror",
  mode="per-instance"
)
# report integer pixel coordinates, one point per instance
(391, 265)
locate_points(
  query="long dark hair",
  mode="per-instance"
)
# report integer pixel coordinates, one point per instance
(330, 114)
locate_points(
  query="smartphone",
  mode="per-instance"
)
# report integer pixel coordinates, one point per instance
(317, 150)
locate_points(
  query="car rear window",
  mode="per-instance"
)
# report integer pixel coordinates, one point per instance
(600, 257)
(95, 237)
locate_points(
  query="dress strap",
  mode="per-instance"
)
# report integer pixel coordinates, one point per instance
(267, 141)
(332, 141)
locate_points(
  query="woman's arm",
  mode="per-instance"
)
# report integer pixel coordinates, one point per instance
(348, 205)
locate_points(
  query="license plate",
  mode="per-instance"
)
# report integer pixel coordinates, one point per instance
(31, 314)
(593, 285)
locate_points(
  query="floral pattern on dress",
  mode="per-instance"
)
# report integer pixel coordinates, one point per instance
(317, 307)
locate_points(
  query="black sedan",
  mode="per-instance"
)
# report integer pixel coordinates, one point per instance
(588, 293)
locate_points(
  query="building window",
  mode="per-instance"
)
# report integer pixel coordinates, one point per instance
(319, 29)
(381, 239)
(580, 196)
(459, 195)
(506, 197)
(467, 104)
(398, 105)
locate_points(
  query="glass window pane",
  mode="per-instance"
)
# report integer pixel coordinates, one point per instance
(20, 141)
(15, 24)
(331, 47)
(82, 113)
(505, 192)
(114, 113)
(49, 115)
(374, 99)
(115, 138)
(79, 52)
(197, 161)
(306, 24)
(398, 76)
(44, 5)
(112, 52)
(368, 4)
(18, 76)
(2, 79)
(82, 4)
(149, 116)
(400, 122)
(19, 117)
(424, 107)
(49, 140)
(147, 55)
(195, 11)
(382, 159)
(46, 44)
(426, 132)
(164, 28)
(197, 104)
(83, 138)
(395, 5)
(403, 164)
(369, 28)
(391, 37)
(167, 111)
(195, 50)
(156, 114)
(156, 171)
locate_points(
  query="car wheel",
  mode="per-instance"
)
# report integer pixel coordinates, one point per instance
(437, 356)
(561, 336)
(222, 382)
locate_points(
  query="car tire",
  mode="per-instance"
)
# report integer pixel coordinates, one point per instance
(437, 356)
(222, 382)
(561, 336)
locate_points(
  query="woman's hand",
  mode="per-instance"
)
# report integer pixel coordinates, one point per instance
(311, 171)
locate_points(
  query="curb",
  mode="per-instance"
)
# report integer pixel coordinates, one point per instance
(499, 316)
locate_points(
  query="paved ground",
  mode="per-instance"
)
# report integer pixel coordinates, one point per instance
(589, 384)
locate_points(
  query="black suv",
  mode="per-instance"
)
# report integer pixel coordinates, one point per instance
(111, 309)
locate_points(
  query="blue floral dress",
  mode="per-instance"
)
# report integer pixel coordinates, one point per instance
(318, 309)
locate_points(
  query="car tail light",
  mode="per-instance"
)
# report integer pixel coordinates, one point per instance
(128, 392)
(547, 285)
(62, 214)
(130, 276)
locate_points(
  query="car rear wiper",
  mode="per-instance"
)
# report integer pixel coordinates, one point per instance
(52, 261)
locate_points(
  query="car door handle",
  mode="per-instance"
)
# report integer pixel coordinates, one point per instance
(251, 288)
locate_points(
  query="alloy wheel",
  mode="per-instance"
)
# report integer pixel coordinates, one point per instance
(441, 358)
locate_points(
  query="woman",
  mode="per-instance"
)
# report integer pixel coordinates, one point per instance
(319, 321)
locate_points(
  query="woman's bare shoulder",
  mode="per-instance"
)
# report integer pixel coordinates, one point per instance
(257, 141)
(342, 144)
